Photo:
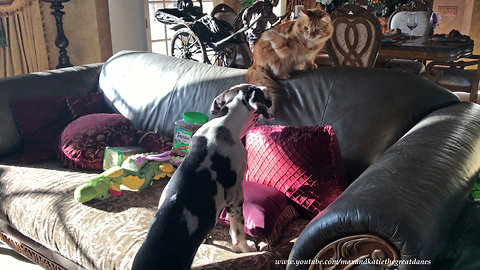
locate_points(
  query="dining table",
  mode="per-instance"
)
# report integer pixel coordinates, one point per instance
(439, 49)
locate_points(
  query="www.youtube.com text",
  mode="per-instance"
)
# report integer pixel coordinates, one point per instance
(380, 262)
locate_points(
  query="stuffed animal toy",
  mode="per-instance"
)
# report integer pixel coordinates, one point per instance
(136, 172)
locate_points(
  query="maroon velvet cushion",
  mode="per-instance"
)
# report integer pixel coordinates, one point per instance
(88, 104)
(83, 142)
(154, 142)
(304, 163)
(266, 212)
(40, 121)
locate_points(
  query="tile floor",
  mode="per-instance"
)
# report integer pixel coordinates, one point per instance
(9, 260)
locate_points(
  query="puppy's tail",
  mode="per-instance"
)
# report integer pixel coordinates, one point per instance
(258, 76)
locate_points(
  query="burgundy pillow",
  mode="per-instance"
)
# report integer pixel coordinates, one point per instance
(40, 121)
(83, 142)
(266, 212)
(154, 142)
(88, 104)
(304, 163)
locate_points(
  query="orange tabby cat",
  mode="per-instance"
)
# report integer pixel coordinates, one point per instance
(290, 46)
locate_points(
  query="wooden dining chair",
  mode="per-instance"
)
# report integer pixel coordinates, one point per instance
(456, 77)
(356, 37)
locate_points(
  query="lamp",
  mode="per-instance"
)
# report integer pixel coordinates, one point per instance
(61, 40)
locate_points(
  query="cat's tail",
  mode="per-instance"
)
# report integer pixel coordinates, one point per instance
(257, 76)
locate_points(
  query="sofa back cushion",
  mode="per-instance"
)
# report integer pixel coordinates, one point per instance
(154, 90)
(368, 109)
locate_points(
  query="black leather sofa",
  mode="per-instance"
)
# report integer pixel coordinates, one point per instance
(410, 149)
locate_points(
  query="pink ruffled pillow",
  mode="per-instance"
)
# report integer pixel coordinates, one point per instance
(304, 163)
(83, 142)
(266, 212)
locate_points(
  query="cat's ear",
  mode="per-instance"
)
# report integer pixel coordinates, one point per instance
(304, 13)
(326, 19)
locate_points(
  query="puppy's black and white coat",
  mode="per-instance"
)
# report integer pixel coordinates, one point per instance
(209, 179)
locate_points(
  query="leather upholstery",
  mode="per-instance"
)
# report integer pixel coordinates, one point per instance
(365, 109)
(366, 119)
(164, 87)
(410, 149)
(412, 194)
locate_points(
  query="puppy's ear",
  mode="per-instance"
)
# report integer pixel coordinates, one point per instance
(260, 101)
(219, 107)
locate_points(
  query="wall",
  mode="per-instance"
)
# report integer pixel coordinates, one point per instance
(456, 14)
(87, 27)
(128, 25)
(464, 16)
(475, 27)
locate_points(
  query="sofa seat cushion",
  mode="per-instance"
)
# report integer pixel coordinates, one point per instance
(83, 142)
(38, 201)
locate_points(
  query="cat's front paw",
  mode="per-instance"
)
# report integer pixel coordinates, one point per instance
(276, 39)
(311, 66)
(284, 76)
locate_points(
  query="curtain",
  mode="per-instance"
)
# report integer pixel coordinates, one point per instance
(22, 42)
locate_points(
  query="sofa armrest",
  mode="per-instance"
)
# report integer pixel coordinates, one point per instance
(404, 205)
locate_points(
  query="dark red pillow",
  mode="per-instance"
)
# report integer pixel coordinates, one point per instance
(88, 104)
(304, 163)
(40, 121)
(266, 212)
(83, 142)
(154, 142)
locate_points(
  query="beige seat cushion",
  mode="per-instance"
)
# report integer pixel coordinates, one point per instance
(37, 200)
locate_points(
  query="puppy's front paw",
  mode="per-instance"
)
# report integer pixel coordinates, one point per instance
(244, 247)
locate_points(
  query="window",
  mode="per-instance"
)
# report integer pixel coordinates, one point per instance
(159, 35)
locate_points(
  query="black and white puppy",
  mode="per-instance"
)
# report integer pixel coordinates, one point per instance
(209, 179)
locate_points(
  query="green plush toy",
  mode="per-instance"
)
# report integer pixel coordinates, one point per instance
(136, 172)
(476, 191)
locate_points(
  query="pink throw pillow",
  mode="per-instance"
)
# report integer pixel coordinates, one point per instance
(304, 163)
(83, 142)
